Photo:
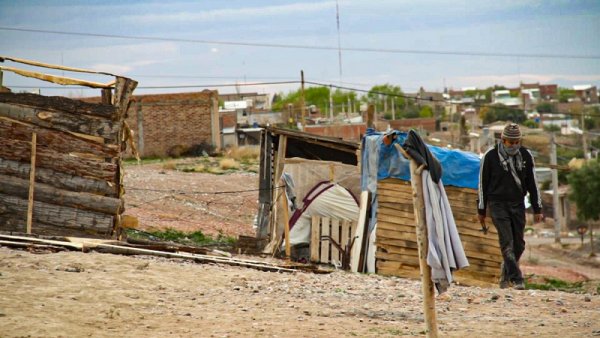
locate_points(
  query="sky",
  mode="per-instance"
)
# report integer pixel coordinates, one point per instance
(432, 44)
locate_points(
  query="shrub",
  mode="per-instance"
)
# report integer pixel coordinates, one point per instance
(229, 163)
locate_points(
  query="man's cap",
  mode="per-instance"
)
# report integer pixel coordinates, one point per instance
(511, 132)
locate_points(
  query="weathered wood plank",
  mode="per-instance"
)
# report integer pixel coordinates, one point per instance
(58, 179)
(14, 186)
(59, 103)
(325, 224)
(83, 124)
(14, 209)
(315, 234)
(47, 158)
(57, 140)
(335, 234)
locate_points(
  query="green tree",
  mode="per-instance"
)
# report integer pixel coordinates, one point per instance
(585, 184)
(564, 94)
(318, 96)
(500, 112)
(379, 93)
(546, 108)
(426, 111)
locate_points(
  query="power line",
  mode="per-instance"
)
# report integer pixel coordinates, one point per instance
(173, 87)
(183, 192)
(293, 46)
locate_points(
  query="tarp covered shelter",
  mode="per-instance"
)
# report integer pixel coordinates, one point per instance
(381, 170)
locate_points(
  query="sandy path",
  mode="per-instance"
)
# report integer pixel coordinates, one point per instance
(100, 295)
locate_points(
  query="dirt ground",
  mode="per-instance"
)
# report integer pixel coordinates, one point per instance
(72, 294)
(189, 201)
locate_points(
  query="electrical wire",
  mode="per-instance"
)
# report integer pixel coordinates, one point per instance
(183, 192)
(309, 47)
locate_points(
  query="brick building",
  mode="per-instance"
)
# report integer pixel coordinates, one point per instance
(169, 124)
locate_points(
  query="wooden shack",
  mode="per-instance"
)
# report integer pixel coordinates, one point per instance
(397, 241)
(60, 159)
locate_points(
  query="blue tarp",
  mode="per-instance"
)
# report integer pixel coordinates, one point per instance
(459, 168)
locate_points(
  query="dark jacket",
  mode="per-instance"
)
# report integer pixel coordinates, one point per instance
(497, 184)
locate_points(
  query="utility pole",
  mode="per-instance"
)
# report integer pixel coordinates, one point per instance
(330, 105)
(583, 138)
(393, 109)
(302, 104)
(555, 199)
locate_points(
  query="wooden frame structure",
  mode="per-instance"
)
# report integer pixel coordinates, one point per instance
(70, 150)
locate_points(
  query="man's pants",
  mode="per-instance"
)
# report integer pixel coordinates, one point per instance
(509, 220)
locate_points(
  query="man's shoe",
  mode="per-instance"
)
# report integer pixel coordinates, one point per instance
(519, 286)
(504, 284)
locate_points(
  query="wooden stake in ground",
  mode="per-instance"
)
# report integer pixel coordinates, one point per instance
(31, 182)
(288, 247)
(422, 244)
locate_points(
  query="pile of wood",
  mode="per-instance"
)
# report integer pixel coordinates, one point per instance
(397, 241)
(69, 152)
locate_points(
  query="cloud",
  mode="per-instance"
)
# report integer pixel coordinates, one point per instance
(483, 81)
(111, 68)
(229, 13)
(131, 57)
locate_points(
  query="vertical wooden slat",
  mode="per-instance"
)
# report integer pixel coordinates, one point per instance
(315, 234)
(335, 234)
(31, 182)
(286, 216)
(325, 244)
(344, 234)
(360, 226)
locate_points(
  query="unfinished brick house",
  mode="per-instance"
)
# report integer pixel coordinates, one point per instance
(171, 124)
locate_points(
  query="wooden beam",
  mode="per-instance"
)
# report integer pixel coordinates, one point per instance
(31, 182)
(18, 187)
(58, 179)
(59, 104)
(15, 209)
(16, 150)
(360, 230)
(422, 242)
(61, 80)
(82, 124)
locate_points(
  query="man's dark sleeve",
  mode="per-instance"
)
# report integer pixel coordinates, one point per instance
(532, 185)
(484, 173)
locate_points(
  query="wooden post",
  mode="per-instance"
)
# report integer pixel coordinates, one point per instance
(288, 246)
(302, 102)
(31, 182)
(371, 116)
(422, 245)
(555, 199)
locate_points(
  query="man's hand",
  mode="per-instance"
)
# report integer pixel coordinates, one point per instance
(484, 228)
(537, 218)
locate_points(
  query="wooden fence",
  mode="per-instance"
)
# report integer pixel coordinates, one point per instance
(323, 229)
(397, 241)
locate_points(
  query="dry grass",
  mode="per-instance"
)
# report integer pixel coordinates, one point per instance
(170, 165)
(229, 163)
(244, 153)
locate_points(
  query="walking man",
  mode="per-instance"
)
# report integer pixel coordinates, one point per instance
(506, 175)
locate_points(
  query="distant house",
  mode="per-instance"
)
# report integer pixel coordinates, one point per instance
(549, 92)
(588, 94)
(255, 101)
(502, 96)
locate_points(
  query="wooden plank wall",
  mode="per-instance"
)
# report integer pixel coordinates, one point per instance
(78, 177)
(397, 240)
(321, 250)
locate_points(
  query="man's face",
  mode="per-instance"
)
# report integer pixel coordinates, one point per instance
(511, 143)
(512, 146)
